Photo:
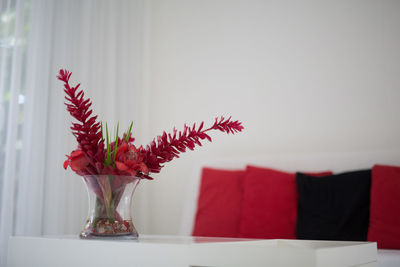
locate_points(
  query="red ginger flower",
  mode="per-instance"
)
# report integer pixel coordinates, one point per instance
(168, 147)
(87, 131)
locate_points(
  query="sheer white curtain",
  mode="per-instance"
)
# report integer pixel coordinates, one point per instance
(12, 90)
(101, 42)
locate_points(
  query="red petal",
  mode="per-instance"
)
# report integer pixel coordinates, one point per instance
(121, 166)
(66, 164)
(121, 149)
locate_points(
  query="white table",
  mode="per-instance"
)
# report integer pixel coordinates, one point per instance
(187, 251)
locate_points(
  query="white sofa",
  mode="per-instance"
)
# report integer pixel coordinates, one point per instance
(336, 162)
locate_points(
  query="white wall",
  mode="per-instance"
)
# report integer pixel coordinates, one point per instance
(303, 76)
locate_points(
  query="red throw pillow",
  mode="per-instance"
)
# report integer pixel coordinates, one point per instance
(384, 221)
(269, 205)
(219, 203)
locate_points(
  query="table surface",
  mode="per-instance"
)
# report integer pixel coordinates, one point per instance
(182, 251)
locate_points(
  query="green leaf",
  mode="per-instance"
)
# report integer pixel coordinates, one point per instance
(115, 146)
(108, 159)
(128, 133)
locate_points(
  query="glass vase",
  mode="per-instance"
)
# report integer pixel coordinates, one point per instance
(110, 207)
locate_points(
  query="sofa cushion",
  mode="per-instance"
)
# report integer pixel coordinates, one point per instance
(219, 203)
(384, 226)
(334, 207)
(269, 206)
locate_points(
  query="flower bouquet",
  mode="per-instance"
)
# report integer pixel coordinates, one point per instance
(113, 167)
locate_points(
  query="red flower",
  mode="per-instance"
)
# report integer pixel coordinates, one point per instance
(122, 157)
(78, 162)
(168, 146)
(86, 130)
(128, 160)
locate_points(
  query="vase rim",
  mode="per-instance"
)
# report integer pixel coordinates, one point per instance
(117, 175)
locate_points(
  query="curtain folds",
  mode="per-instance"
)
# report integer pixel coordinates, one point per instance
(12, 57)
(101, 42)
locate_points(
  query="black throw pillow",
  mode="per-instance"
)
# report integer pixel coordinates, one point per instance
(334, 207)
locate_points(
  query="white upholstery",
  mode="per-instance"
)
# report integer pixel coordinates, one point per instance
(388, 258)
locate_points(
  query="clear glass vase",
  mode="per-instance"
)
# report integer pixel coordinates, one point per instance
(110, 207)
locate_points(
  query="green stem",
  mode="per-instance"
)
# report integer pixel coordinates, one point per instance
(110, 210)
(108, 200)
(97, 211)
